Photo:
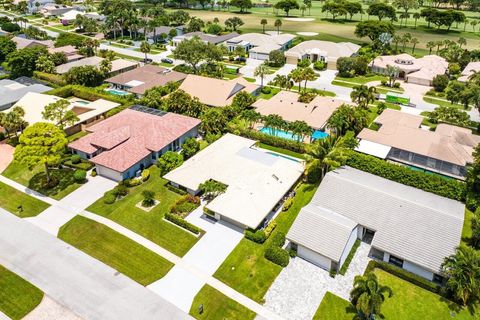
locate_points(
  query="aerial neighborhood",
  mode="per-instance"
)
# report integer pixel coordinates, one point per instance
(239, 159)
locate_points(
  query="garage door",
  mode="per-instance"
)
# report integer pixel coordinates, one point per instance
(108, 173)
(313, 257)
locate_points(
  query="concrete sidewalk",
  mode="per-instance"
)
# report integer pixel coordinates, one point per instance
(81, 283)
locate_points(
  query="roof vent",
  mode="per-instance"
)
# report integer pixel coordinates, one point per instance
(275, 177)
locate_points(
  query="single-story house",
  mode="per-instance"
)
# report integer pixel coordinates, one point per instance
(420, 71)
(470, 69)
(259, 45)
(139, 80)
(118, 65)
(70, 16)
(324, 51)
(152, 34)
(31, 4)
(23, 43)
(55, 10)
(400, 137)
(285, 104)
(256, 181)
(216, 92)
(11, 91)
(207, 38)
(88, 112)
(407, 227)
(70, 52)
(132, 140)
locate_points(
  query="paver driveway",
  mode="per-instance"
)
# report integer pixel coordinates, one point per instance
(6, 155)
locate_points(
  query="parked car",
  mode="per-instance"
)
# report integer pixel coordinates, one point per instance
(167, 60)
(146, 61)
(242, 59)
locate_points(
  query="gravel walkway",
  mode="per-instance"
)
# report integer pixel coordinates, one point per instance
(300, 287)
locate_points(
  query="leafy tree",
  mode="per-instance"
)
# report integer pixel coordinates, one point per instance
(23, 62)
(462, 271)
(263, 22)
(347, 118)
(88, 76)
(45, 64)
(276, 58)
(450, 115)
(454, 91)
(58, 58)
(182, 103)
(195, 24)
(194, 51)
(261, 71)
(233, 23)
(241, 4)
(368, 295)
(353, 8)
(242, 100)
(13, 121)
(67, 38)
(213, 28)
(406, 5)
(60, 113)
(179, 17)
(335, 9)
(41, 144)
(363, 95)
(190, 147)
(212, 189)
(169, 161)
(7, 46)
(382, 10)
(286, 5)
(373, 29)
(440, 82)
(278, 25)
(153, 97)
(214, 121)
(250, 116)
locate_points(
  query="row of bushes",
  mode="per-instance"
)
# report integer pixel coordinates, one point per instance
(405, 275)
(54, 79)
(90, 94)
(275, 253)
(448, 188)
(271, 140)
(182, 223)
(119, 191)
(260, 236)
(185, 205)
(76, 162)
(176, 190)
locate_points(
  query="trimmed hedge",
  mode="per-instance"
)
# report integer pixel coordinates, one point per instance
(90, 94)
(80, 175)
(278, 239)
(405, 275)
(176, 190)
(145, 175)
(449, 188)
(278, 256)
(349, 258)
(182, 223)
(269, 229)
(258, 236)
(83, 165)
(54, 79)
(270, 140)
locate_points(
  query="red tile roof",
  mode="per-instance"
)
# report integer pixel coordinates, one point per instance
(130, 136)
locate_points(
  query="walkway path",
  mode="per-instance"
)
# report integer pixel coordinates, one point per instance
(6, 151)
(83, 284)
(49, 309)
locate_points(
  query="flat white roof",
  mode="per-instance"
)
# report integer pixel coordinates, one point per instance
(256, 180)
(373, 148)
(134, 83)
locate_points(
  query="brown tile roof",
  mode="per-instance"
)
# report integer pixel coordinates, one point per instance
(149, 76)
(130, 136)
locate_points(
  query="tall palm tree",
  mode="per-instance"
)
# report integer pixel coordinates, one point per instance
(463, 273)
(261, 71)
(297, 75)
(326, 154)
(414, 42)
(263, 22)
(368, 295)
(145, 48)
(308, 75)
(416, 16)
(278, 24)
(363, 95)
(430, 45)
(250, 116)
(274, 122)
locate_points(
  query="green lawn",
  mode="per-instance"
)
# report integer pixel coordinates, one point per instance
(33, 179)
(11, 199)
(217, 306)
(149, 224)
(17, 296)
(408, 302)
(115, 250)
(282, 151)
(444, 103)
(361, 79)
(266, 96)
(245, 269)
(76, 136)
(467, 226)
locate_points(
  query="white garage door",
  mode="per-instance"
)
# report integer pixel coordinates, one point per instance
(313, 257)
(109, 173)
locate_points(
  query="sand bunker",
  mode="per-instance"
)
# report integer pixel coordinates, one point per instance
(308, 34)
(299, 19)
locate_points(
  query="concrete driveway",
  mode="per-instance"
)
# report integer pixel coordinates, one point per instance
(6, 155)
(180, 286)
(86, 286)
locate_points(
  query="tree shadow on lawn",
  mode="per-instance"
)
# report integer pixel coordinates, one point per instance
(64, 178)
(455, 308)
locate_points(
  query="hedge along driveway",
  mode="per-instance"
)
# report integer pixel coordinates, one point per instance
(150, 225)
(11, 199)
(245, 269)
(115, 250)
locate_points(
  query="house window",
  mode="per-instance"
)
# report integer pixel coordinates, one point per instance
(437, 278)
(396, 261)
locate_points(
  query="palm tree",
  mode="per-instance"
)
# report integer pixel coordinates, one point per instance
(250, 116)
(261, 71)
(396, 40)
(263, 22)
(405, 39)
(145, 48)
(392, 73)
(300, 129)
(308, 75)
(438, 44)
(274, 122)
(278, 24)
(414, 42)
(430, 46)
(473, 23)
(404, 15)
(416, 16)
(324, 155)
(280, 81)
(363, 95)
(368, 295)
(462, 271)
(461, 42)
(302, 9)
(297, 75)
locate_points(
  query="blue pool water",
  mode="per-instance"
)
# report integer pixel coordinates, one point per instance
(290, 136)
(117, 92)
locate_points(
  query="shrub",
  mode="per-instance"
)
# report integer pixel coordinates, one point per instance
(277, 255)
(440, 82)
(80, 175)
(266, 90)
(94, 173)
(182, 223)
(257, 236)
(349, 258)
(287, 204)
(319, 65)
(145, 175)
(270, 140)
(384, 82)
(10, 27)
(292, 253)
(148, 198)
(269, 229)
(185, 204)
(396, 85)
(303, 63)
(176, 190)
(132, 183)
(278, 239)
(448, 188)
(169, 161)
(75, 159)
(109, 197)
(120, 190)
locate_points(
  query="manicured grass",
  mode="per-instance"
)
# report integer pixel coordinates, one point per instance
(282, 151)
(362, 79)
(408, 302)
(76, 136)
(115, 250)
(34, 178)
(11, 199)
(349, 258)
(245, 269)
(444, 103)
(324, 93)
(149, 224)
(17, 296)
(217, 306)
(386, 89)
(266, 96)
(467, 226)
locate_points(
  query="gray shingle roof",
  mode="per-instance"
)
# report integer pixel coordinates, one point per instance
(12, 91)
(412, 224)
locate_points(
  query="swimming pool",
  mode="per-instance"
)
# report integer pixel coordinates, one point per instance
(290, 136)
(282, 156)
(117, 92)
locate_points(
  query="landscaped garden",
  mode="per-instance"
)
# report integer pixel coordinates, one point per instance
(408, 302)
(19, 203)
(246, 269)
(17, 296)
(211, 304)
(150, 225)
(115, 250)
